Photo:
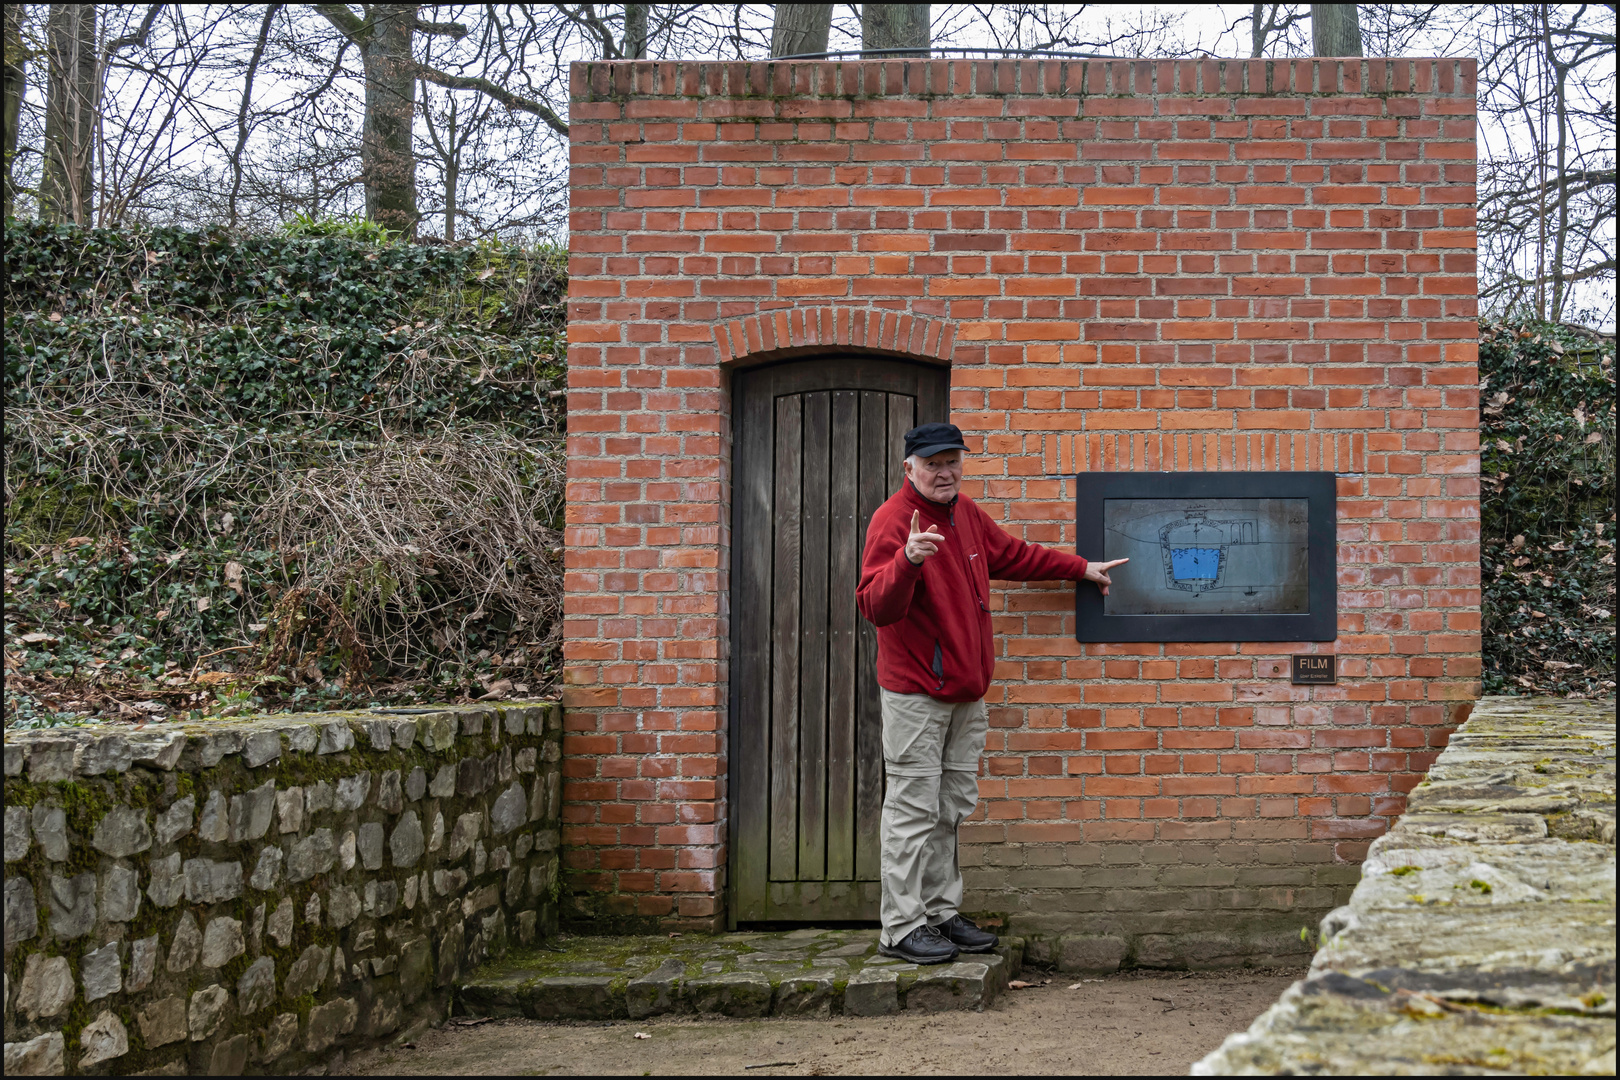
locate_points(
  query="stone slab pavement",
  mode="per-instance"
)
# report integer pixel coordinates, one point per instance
(806, 972)
(1481, 938)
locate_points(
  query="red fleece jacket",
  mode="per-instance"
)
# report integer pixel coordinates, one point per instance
(933, 620)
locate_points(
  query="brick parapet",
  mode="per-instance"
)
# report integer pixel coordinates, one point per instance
(1145, 265)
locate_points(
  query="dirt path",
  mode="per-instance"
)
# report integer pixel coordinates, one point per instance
(1135, 1023)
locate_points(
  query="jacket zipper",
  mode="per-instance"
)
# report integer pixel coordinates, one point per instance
(939, 666)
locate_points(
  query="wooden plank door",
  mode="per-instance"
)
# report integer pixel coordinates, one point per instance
(817, 446)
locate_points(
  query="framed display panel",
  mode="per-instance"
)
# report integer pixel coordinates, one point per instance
(1237, 556)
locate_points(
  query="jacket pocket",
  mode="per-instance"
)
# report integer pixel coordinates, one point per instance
(939, 666)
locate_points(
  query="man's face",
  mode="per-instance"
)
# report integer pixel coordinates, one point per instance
(939, 477)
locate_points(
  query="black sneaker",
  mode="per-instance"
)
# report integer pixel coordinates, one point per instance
(966, 935)
(923, 945)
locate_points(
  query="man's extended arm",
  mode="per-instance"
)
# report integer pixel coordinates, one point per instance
(1012, 559)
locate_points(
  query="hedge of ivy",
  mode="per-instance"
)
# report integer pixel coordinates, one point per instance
(163, 386)
(1548, 477)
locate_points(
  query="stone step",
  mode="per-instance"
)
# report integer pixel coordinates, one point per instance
(805, 972)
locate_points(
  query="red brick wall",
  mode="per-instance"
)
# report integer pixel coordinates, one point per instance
(1188, 265)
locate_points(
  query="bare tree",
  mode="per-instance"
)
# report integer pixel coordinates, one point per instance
(1335, 30)
(635, 32)
(72, 98)
(800, 28)
(16, 79)
(897, 26)
(1271, 21)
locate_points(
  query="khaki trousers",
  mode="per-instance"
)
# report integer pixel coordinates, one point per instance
(931, 752)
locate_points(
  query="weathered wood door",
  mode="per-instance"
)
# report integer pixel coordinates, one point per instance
(817, 446)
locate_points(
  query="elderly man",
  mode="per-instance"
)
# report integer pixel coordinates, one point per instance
(925, 584)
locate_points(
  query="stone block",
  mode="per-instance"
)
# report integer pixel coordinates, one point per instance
(463, 836)
(390, 797)
(314, 854)
(733, 993)
(122, 832)
(449, 882)
(444, 782)
(511, 810)
(222, 941)
(210, 882)
(102, 1039)
(50, 832)
(872, 991)
(416, 784)
(279, 1036)
(369, 843)
(120, 894)
(308, 972)
(22, 915)
(261, 748)
(230, 1057)
(18, 829)
(317, 797)
(214, 826)
(404, 734)
(290, 809)
(342, 906)
(1087, 952)
(301, 738)
(71, 903)
(384, 1015)
(346, 850)
(352, 792)
(415, 968)
(46, 988)
(168, 882)
(186, 945)
(653, 994)
(51, 759)
(949, 987)
(405, 846)
(142, 963)
(176, 821)
(159, 749)
(380, 733)
(102, 972)
(207, 1011)
(108, 754)
(327, 1022)
(252, 811)
(162, 1021)
(805, 995)
(281, 923)
(215, 746)
(42, 1055)
(575, 997)
(268, 870)
(334, 737)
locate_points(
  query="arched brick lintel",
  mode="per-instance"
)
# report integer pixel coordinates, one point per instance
(773, 335)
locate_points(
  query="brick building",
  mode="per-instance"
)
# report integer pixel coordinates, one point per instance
(1187, 265)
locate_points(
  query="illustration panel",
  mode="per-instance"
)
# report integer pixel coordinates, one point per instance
(1208, 556)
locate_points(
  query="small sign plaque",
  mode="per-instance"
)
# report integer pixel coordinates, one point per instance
(1314, 669)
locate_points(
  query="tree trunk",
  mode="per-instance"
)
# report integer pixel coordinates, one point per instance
(1335, 30)
(16, 78)
(635, 32)
(452, 176)
(897, 26)
(387, 166)
(800, 28)
(71, 94)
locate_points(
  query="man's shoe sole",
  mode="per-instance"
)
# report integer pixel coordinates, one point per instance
(977, 949)
(887, 950)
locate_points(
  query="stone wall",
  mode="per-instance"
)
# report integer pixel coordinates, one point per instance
(1195, 265)
(259, 895)
(1481, 936)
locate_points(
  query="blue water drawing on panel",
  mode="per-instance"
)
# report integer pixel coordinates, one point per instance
(1195, 565)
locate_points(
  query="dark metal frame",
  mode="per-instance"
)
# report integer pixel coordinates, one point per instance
(1321, 623)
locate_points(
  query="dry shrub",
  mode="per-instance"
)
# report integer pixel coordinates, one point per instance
(431, 546)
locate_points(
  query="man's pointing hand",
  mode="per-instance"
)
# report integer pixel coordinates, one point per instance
(1098, 572)
(920, 544)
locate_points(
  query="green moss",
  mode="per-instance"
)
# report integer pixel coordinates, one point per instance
(1483, 887)
(1404, 871)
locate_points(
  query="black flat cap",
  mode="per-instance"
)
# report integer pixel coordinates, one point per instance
(926, 440)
